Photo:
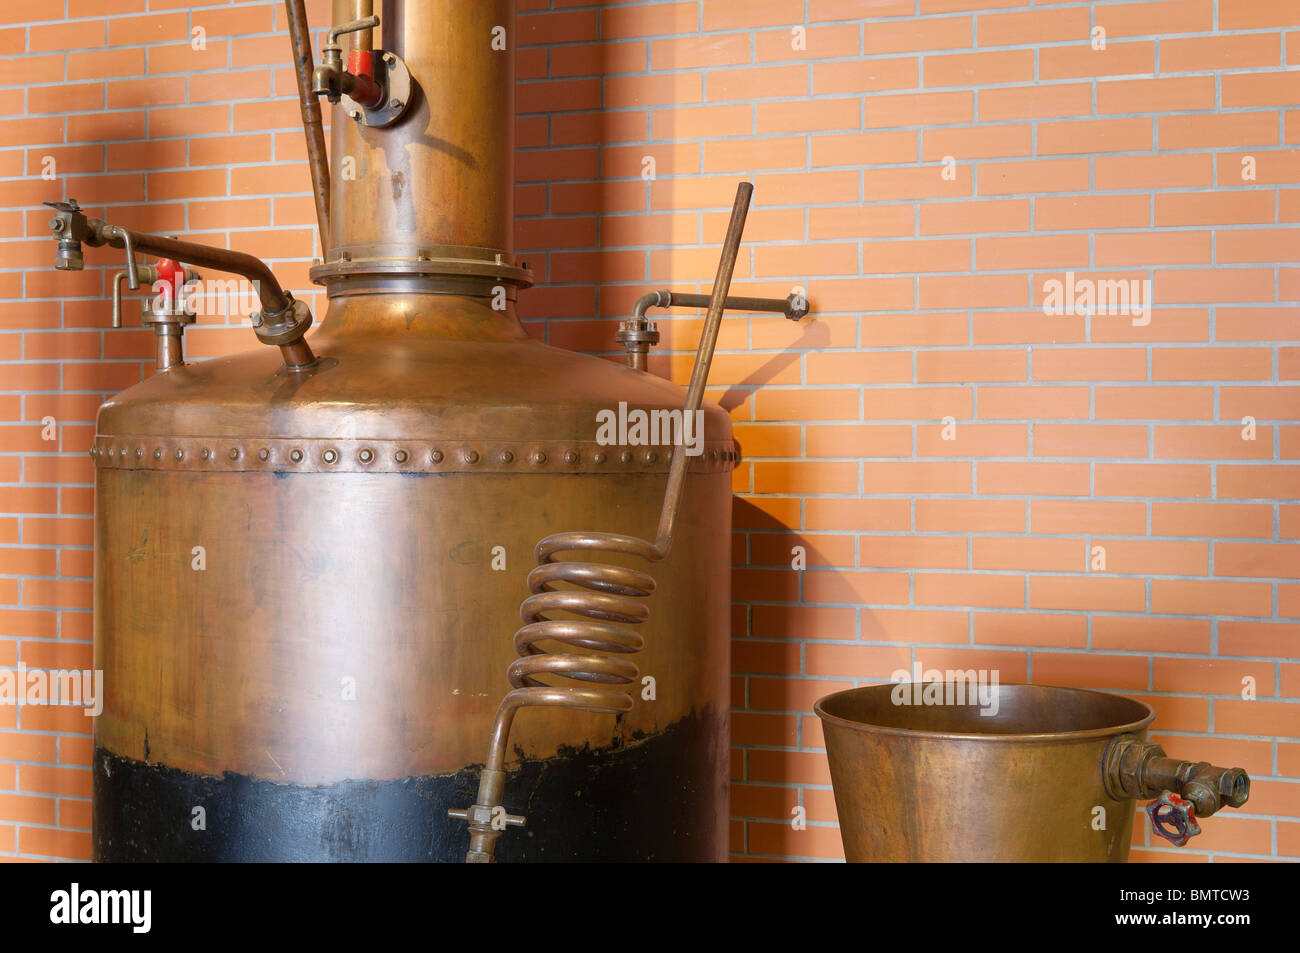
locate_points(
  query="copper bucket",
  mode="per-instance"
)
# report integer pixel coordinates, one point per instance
(1023, 773)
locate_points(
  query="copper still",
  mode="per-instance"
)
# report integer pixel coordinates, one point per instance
(309, 558)
(908, 760)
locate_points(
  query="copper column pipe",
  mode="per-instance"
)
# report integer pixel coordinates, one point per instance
(317, 160)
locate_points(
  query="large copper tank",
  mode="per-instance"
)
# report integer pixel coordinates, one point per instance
(321, 676)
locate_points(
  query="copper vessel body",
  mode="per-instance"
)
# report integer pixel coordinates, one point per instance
(941, 783)
(325, 678)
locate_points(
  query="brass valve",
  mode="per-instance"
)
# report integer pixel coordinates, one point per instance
(282, 322)
(374, 89)
(1184, 790)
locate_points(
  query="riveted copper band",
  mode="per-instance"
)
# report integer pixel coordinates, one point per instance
(317, 455)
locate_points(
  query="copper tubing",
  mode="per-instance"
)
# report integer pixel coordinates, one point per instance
(703, 358)
(297, 354)
(317, 161)
(273, 297)
(356, 10)
(607, 596)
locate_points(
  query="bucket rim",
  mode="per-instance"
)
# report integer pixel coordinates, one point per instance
(1082, 734)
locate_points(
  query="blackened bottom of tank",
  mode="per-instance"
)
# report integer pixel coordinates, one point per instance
(657, 798)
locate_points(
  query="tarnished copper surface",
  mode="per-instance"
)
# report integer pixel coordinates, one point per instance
(588, 607)
(943, 782)
(333, 455)
(239, 602)
(443, 175)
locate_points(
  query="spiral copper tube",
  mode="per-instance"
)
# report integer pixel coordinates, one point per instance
(607, 599)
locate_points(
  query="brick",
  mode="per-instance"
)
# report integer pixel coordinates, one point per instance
(855, 149)
(825, 42)
(968, 143)
(1210, 676)
(986, 590)
(1217, 130)
(1154, 171)
(1211, 520)
(913, 109)
(1043, 101)
(1224, 52)
(916, 552)
(856, 588)
(1028, 553)
(914, 183)
(1150, 634)
(1205, 597)
(1037, 402)
(1232, 285)
(1041, 175)
(864, 75)
(906, 36)
(986, 215)
(1093, 670)
(1158, 480)
(1073, 62)
(1156, 557)
(1033, 27)
(1032, 478)
(1147, 402)
(1092, 136)
(861, 221)
(856, 661)
(1154, 18)
(1211, 443)
(1256, 14)
(1261, 560)
(1170, 94)
(974, 69)
(794, 117)
(1257, 638)
(1213, 208)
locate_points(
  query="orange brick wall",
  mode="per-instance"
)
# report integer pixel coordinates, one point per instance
(922, 169)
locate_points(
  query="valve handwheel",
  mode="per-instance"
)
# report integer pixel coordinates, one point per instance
(1173, 818)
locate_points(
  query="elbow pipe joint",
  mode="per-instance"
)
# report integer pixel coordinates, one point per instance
(283, 319)
(638, 335)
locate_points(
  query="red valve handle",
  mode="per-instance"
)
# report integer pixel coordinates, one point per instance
(1173, 818)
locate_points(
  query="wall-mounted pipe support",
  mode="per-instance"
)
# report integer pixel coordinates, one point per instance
(638, 335)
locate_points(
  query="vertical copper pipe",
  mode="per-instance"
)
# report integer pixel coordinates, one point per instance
(317, 161)
(703, 358)
(362, 39)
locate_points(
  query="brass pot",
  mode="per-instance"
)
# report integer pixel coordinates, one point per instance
(1024, 773)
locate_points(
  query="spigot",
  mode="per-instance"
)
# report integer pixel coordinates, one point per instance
(1137, 769)
(332, 81)
(375, 88)
(70, 228)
